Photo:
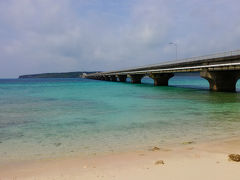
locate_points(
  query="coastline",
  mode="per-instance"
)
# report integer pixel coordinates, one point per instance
(205, 160)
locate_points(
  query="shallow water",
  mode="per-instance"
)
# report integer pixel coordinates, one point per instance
(41, 118)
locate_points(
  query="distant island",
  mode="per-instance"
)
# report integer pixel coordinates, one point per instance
(56, 75)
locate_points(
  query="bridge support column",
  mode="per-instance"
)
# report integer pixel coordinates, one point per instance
(136, 78)
(122, 78)
(224, 81)
(106, 78)
(161, 79)
(113, 78)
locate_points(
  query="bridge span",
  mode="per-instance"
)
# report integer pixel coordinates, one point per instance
(222, 71)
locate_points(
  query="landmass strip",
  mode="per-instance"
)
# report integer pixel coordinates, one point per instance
(78, 74)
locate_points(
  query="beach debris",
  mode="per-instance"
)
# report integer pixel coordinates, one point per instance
(188, 142)
(155, 149)
(159, 162)
(141, 154)
(85, 167)
(234, 157)
(57, 144)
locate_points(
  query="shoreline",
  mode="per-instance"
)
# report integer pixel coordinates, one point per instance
(90, 153)
(205, 160)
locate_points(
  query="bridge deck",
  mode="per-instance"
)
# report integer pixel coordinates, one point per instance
(221, 61)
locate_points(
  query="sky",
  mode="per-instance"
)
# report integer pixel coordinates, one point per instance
(38, 36)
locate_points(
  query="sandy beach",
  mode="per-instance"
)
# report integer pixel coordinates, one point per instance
(189, 160)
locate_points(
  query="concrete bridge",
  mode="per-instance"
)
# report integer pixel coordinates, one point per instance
(222, 71)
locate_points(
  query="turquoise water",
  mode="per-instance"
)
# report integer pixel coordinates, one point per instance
(41, 118)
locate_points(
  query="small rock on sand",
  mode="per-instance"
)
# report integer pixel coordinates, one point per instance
(155, 149)
(57, 144)
(234, 157)
(159, 162)
(188, 142)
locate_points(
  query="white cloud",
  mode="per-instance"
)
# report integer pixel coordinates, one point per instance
(62, 35)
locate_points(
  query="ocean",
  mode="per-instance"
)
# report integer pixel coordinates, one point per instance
(46, 118)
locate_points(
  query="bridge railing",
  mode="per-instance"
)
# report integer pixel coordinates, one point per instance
(197, 58)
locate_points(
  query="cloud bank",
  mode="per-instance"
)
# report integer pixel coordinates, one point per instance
(78, 35)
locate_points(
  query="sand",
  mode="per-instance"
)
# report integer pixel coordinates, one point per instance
(185, 161)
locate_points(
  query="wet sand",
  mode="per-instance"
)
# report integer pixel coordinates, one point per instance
(185, 161)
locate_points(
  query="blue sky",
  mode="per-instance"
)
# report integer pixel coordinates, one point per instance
(38, 36)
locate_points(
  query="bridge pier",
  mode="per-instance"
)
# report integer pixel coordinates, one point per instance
(113, 78)
(136, 78)
(224, 81)
(122, 78)
(106, 78)
(161, 79)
